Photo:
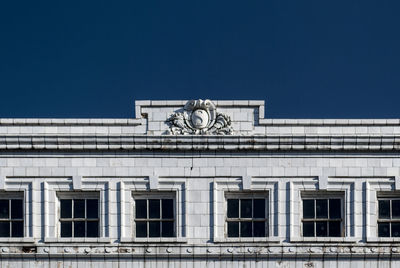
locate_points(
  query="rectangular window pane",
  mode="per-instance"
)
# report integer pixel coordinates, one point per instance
(79, 208)
(308, 229)
(308, 209)
(246, 208)
(92, 229)
(17, 229)
(4, 229)
(154, 229)
(259, 208)
(259, 228)
(246, 229)
(233, 208)
(141, 229)
(167, 209)
(321, 208)
(16, 209)
(66, 229)
(167, 228)
(92, 207)
(66, 208)
(395, 229)
(335, 210)
(383, 229)
(141, 209)
(384, 209)
(321, 228)
(79, 229)
(4, 209)
(395, 209)
(334, 229)
(233, 229)
(154, 208)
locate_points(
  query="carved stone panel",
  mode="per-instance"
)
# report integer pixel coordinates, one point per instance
(199, 117)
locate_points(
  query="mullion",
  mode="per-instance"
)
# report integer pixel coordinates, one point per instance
(148, 217)
(315, 217)
(160, 213)
(390, 220)
(73, 219)
(72, 216)
(9, 216)
(240, 220)
(85, 218)
(391, 217)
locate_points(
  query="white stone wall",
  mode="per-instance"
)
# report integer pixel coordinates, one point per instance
(119, 158)
(201, 178)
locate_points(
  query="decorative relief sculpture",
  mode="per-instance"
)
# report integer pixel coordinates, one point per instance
(199, 117)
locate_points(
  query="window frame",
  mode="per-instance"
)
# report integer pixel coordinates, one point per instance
(52, 187)
(332, 184)
(323, 195)
(158, 196)
(391, 196)
(64, 195)
(384, 187)
(259, 185)
(14, 195)
(141, 186)
(248, 195)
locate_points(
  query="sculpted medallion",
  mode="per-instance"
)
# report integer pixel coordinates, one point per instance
(199, 117)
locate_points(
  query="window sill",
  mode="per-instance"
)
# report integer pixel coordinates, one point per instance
(153, 240)
(247, 240)
(324, 239)
(383, 239)
(17, 240)
(77, 240)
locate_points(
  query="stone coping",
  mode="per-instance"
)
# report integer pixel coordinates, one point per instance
(138, 121)
(70, 121)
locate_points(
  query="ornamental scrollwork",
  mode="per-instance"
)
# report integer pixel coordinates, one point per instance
(199, 117)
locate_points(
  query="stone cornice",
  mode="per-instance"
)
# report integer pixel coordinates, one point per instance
(226, 143)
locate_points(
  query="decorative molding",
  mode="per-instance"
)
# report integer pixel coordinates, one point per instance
(246, 182)
(199, 117)
(230, 252)
(203, 143)
(2, 182)
(77, 182)
(153, 182)
(322, 182)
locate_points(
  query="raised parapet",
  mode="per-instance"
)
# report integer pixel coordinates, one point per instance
(201, 117)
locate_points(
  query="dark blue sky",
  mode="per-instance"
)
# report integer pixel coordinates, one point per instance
(306, 59)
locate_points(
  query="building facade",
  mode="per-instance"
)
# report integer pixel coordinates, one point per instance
(199, 184)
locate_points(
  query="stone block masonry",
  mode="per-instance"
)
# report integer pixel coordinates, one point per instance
(199, 183)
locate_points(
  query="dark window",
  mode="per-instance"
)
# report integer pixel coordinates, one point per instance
(154, 217)
(247, 217)
(388, 217)
(11, 218)
(79, 217)
(322, 217)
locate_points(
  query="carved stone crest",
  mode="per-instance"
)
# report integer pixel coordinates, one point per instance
(199, 117)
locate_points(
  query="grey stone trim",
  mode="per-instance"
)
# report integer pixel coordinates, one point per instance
(70, 122)
(327, 122)
(77, 182)
(169, 250)
(227, 143)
